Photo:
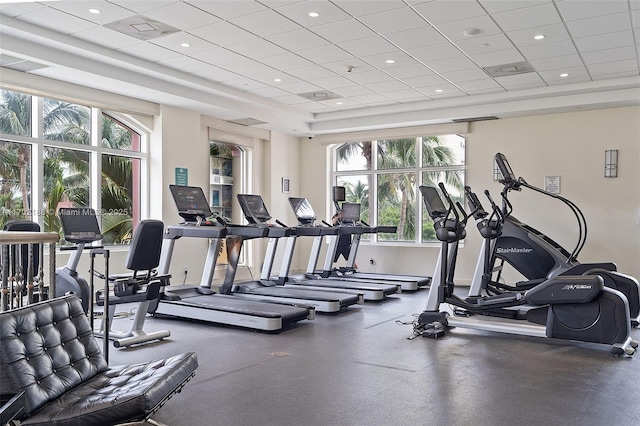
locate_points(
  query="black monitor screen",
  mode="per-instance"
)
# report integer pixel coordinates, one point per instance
(79, 224)
(303, 210)
(350, 212)
(433, 202)
(190, 201)
(253, 208)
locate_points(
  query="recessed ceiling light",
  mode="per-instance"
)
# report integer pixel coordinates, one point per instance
(94, 11)
(338, 103)
(390, 61)
(277, 80)
(539, 37)
(439, 90)
(314, 14)
(185, 44)
(564, 75)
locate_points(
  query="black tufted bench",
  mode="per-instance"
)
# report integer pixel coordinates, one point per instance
(48, 351)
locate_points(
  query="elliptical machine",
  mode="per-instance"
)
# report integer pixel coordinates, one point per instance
(564, 307)
(532, 253)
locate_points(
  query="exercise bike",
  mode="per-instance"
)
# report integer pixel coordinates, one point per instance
(563, 307)
(80, 226)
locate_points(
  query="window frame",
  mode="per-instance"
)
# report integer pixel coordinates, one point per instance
(95, 149)
(373, 174)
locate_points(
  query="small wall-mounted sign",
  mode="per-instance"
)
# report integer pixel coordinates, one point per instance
(182, 176)
(552, 184)
(285, 185)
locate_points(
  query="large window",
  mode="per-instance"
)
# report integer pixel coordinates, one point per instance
(58, 154)
(384, 176)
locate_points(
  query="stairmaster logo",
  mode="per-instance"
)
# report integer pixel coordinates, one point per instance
(513, 250)
(571, 287)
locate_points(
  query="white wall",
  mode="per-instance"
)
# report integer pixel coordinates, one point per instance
(570, 145)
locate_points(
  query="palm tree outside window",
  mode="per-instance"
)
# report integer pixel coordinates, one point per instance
(397, 169)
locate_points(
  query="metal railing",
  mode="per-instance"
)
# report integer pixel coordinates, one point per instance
(23, 278)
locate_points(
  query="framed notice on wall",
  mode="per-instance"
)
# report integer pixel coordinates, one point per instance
(552, 184)
(285, 185)
(182, 176)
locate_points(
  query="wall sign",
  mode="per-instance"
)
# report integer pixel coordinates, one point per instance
(552, 184)
(182, 176)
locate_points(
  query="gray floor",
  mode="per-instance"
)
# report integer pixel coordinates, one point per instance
(359, 368)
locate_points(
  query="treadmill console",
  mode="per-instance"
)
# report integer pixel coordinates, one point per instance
(191, 202)
(79, 224)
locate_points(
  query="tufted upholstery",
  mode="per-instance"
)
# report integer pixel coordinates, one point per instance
(48, 350)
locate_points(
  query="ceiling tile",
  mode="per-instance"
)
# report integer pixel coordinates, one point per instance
(368, 77)
(219, 57)
(495, 6)
(574, 10)
(341, 31)
(297, 40)
(473, 45)
(614, 67)
(143, 6)
(480, 84)
(354, 90)
(464, 75)
(299, 87)
(436, 52)
(228, 9)
(393, 21)
(416, 37)
(407, 71)
(106, 37)
(552, 33)
(289, 99)
(266, 23)
(268, 92)
(368, 46)
(439, 12)
(328, 53)
(604, 41)
(576, 75)
(334, 82)
(286, 61)
(185, 64)
(445, 90)
(455, 30)
(556, 62)
(174, 42)
(109, 12)
(373, 99)
(311, 73)
(222, 33)
(182, 16)
(522, 81)
(369, 7)
(17, 9)
(496, 58)
(56, 20)
(256, 48)
(599, 25)
(426, 80)
(217, 74)
(340, 66)
(528, 17)
(452, 64)
(149, 51)
(406, 95)
(609, 55)
(299, 12)
(597, 77)
(248, 68)
(244, 83)
(399, 57)
(546, 50)
(388, 86)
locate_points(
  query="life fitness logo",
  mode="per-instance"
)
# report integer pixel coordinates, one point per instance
(513, 250)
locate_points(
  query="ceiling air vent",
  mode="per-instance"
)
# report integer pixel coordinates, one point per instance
(247, 121)
(19, 64)
(509, 69)
(471, 119)
(321, 95)
(141, 27)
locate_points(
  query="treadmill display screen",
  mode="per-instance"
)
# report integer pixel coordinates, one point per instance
(191, 202)
(253, 208)
(350, 212)
(303, 210)
(79, 224)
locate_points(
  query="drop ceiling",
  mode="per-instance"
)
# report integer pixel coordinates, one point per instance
(357, 65)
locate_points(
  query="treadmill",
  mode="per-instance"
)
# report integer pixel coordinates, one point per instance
(256, 213)
(373, 291)
(201, 302)
(352, 215)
